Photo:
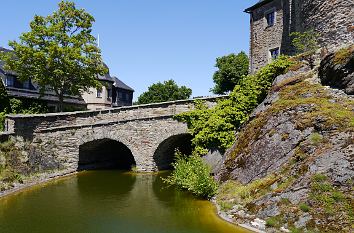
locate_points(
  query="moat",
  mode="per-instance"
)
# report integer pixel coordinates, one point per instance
(109, 201)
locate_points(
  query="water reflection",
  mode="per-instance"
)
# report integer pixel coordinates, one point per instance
(109, 201)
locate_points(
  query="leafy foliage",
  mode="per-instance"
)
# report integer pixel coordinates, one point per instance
(58, 53)
(232, 68)
(2, 121)
(22, 106)
(18, 106)
(306, 43)
(192, 174)
(214, 128)
(166, 91)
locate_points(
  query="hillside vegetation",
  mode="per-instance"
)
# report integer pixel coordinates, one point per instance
(291, 161)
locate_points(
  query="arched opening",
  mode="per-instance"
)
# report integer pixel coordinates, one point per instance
(165, 153)
(105, 154)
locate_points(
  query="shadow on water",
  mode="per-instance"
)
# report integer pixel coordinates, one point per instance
(105, 184)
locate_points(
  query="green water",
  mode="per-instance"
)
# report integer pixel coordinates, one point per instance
(109, 201)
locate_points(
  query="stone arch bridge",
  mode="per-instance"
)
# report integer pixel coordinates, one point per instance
(144, 136)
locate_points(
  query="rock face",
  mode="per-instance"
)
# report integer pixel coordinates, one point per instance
(337, 70)
(296, 154)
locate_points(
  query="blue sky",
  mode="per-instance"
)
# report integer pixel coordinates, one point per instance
(146, 41)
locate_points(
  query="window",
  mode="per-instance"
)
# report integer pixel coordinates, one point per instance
(9, 81)
(109, 93)
(274, 53)
(99, 93)
(270, 18)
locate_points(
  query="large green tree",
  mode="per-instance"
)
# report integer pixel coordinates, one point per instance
(58, 53)
(166, 91)
(231, 69)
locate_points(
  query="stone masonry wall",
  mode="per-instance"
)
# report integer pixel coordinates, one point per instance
(55, 139)
(59, 150)
(332, 19)
(26, 125)
(264, 38)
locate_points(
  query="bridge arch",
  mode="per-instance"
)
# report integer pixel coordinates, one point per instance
(105, 153)
(164, 154)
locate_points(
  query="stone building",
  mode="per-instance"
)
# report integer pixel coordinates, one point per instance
(113, 93)
(272, 21)
(122, 94)
(28, 90)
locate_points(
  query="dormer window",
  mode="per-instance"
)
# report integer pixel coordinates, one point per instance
(270, 16)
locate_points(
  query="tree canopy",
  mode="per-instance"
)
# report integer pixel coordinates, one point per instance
(166, 91)
(58, 53)
(231, 69)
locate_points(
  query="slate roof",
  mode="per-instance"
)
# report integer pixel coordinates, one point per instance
(257, 5)
(107, 77)
(48, 96)
(119, 84)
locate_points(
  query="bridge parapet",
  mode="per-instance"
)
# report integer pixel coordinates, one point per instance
(26, 125)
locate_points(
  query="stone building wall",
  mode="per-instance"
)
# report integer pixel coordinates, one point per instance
(264, 38)
(332, 19)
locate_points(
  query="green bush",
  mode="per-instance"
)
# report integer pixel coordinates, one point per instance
(192, 174)
(214, 128)
(21, 106)
(2, 121)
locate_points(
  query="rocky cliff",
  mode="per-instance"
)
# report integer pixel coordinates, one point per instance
(292, 164)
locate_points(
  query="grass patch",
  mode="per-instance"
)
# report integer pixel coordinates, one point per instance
(226, 205)
(304, 207)
(330, 201)
(274, 221)
(316, 138)
(244, 194)
(342, 55)
(295, 230)
(322, 110)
